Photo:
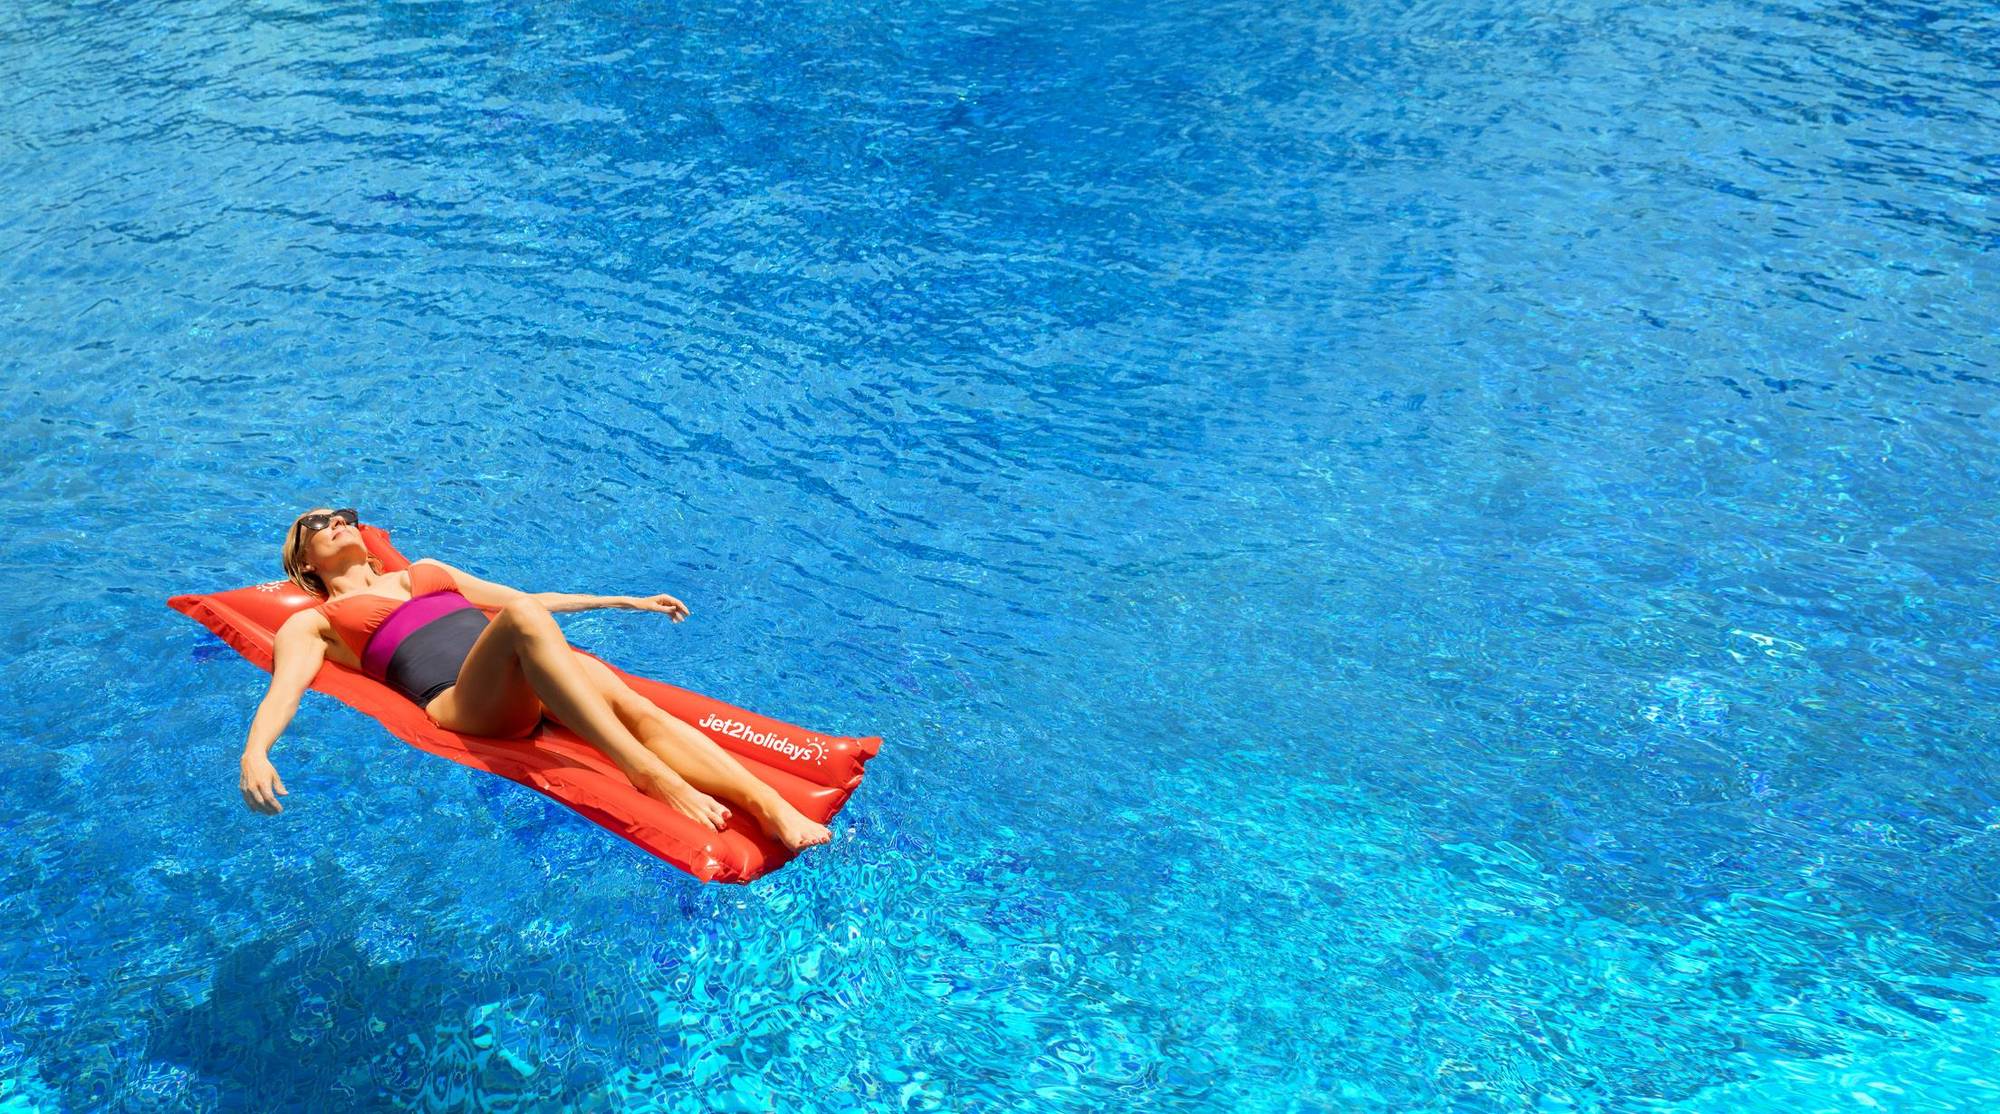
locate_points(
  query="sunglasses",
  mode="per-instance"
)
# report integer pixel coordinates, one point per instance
(314, 523)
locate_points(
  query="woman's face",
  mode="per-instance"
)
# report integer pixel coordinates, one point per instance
(336, 536)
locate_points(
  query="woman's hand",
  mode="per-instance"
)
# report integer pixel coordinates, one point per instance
(261, 785)
(663, 603)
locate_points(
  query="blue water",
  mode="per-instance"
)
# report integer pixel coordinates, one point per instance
(1406, 556)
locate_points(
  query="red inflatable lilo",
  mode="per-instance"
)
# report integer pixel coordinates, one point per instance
(815, 772)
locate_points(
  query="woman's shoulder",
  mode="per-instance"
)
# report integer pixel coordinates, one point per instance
(310, 618)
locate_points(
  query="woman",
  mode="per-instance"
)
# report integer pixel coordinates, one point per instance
(495, 677)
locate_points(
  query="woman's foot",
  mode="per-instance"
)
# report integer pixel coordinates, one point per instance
(791, 828)
(691, 802)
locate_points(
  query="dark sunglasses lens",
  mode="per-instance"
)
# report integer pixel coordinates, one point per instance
(314, 523)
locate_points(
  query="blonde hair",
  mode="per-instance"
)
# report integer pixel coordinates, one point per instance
(295, 569)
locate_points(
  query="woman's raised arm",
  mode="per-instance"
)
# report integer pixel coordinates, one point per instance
(296, 655)
(485, 593)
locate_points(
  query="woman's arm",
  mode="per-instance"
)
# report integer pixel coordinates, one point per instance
(296, 655)
(485, 593)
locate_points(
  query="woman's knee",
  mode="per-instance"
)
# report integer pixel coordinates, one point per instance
(528, 614)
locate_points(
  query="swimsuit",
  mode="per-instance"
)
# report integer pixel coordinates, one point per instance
(415, 646)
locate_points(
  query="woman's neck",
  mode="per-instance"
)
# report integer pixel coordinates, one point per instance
(355, 578)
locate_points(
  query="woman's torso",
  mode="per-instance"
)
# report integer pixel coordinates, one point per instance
(354, 617)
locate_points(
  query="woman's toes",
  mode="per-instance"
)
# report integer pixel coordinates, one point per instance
(804, 833)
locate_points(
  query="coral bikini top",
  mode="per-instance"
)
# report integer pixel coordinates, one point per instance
(355, 617)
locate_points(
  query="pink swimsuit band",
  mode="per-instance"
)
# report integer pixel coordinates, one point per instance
(403, 622)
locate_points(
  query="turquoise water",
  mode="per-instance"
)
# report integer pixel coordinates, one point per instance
(1413, 557)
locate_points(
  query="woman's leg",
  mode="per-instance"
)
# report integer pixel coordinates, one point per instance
(696, 757)
(521, 667)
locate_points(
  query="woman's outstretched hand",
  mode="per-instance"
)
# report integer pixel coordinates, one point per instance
(261, 785)
(663, 603)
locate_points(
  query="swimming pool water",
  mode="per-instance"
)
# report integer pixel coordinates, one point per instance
(1407, 556)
